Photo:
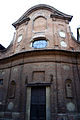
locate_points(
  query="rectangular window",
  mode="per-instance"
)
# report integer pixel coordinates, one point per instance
(1, 81)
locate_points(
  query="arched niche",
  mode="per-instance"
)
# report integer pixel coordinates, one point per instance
(68, 87)
(12, 88)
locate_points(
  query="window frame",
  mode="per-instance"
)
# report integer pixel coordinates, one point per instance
(40, 40)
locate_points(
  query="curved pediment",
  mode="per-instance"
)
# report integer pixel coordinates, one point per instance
(42, 27)
(55, 13)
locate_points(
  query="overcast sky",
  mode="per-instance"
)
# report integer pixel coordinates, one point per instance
(11, 10)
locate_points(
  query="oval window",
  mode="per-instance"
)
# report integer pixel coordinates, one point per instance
(39, 44)
(63, 44)
(19, 38)
(62, 34)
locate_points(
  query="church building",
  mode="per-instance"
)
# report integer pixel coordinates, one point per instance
(40, 69)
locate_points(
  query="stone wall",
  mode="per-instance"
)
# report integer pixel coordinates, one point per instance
(55, 67)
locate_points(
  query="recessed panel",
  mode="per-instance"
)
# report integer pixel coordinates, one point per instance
(40, 24)
(38, 76)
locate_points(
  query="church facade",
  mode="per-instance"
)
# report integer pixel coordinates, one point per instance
(40, 70)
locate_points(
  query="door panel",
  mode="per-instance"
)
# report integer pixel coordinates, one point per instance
(38, 103)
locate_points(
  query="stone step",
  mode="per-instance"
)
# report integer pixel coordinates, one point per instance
(5, 119)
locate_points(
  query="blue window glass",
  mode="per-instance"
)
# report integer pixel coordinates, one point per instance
(39, 44)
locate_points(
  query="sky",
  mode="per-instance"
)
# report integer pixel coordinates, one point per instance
(11, 10)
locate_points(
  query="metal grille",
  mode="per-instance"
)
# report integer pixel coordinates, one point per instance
(38, 103)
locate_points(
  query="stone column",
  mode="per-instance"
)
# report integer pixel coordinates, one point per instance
(47, 103)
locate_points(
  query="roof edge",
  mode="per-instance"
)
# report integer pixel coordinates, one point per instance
(22, 18)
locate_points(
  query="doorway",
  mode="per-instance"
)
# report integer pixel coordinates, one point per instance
(38, 103)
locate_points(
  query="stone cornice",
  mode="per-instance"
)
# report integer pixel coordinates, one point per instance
(33, 53)
(54, 11)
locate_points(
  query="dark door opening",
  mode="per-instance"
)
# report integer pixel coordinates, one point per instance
(38, 103)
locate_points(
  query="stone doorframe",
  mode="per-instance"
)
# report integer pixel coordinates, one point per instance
(29, 100)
